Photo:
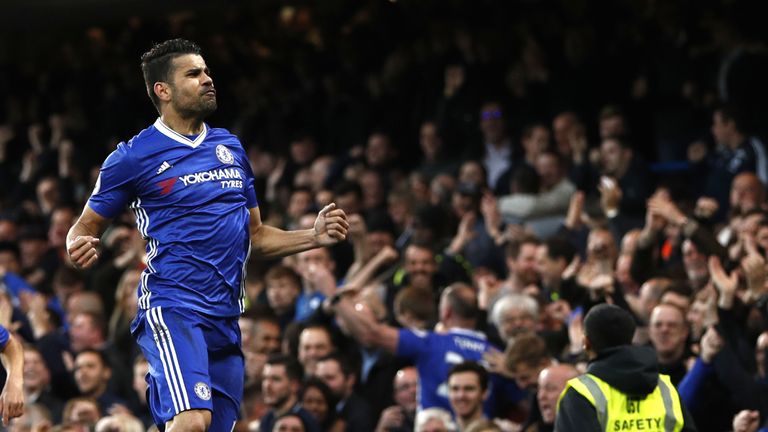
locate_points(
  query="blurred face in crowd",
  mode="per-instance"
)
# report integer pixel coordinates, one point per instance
(91, 374)
(514, 321)
(552, 381)
(289, 423)
(8, 230)
(600, 245)
(430, 141)
(668, 331)
(282, 293)
(564, 125)
(695, 264)
(747, 192)
(140, 371)
(84, 411)
(615, 159)
(314, 343)
(303, 150)
(84, 333)
(551, 270)
(420, 266)
(492, 123)
(61, 222)
(472, 172)
(465, 394)
(276, 387)
(722, 130)
(266, 337)
(378, 152)
(36, 373)
(47, 193)
(375, 241)
(536, 142)
(524, 266)
(310, 260)
(548, 168)
(612, 126)
(330, 372)
(373, 189)
(315, 403)
(299, 203)
(527, 375)
(761, 238)
(9, 261)
(433, 425)
(406, 385)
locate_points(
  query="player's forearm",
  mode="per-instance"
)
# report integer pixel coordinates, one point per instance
(13, 361)
(80, 229)
(271, 242)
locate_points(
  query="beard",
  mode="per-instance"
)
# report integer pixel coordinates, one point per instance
(199, 108)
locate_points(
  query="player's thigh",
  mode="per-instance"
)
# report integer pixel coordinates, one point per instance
(227, 371)
(175, 347)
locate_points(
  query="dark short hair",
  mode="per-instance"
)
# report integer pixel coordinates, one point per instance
(293, 369)
(471, 366)
(280, 272)
(156, 64)
(608, 326)
(345, 364)
(527, 349)
(560, 247)
(99, 353)
(731, 113)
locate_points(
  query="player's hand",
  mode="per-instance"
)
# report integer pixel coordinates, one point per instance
(11, 401)
(331, 225)
(82, 251)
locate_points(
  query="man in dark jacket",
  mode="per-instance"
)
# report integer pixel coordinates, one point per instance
(622, 389)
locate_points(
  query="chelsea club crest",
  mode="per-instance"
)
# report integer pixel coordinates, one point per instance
(224, 155)
(203, 391)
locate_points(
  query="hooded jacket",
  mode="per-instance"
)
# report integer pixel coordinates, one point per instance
(632, 370)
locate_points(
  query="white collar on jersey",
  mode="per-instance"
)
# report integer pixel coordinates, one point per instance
(467, 332)
(172, 134)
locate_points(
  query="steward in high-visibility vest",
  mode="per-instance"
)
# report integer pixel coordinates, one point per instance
(622, 389)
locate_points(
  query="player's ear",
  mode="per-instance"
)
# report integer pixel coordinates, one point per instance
(162, 91)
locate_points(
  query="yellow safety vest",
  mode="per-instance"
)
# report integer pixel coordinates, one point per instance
(659, 411)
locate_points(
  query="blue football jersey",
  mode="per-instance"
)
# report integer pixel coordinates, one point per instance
(4, 336)
(436, 353)
(191, 198)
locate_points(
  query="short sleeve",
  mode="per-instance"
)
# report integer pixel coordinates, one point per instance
(249, 188)
(4, 337)
(115, 186)
(412, 343)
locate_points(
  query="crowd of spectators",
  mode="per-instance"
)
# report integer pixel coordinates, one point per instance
(506, 165)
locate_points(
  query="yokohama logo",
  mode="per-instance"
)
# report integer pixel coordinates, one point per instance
(212, 175)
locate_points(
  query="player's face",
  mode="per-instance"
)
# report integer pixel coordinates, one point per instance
(192, 91)
(465, 394)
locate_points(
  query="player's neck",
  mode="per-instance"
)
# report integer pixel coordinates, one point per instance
(184, 126)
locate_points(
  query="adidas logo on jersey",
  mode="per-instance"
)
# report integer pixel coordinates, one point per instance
(165, 165)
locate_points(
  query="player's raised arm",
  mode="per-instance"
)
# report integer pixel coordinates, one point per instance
(12, 396)
(269, 242)
(83, 238)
